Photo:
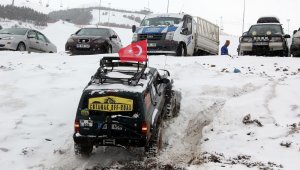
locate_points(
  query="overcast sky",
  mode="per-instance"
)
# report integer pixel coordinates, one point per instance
(231, 11)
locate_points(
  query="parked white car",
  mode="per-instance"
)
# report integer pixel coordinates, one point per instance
(24, 39)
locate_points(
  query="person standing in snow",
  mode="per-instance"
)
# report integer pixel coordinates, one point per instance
(224, 49)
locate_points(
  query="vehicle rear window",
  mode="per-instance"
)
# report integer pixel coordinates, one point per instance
(14, 31)
(94, 32)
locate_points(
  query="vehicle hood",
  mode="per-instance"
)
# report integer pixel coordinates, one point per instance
(92, 38)
(156, 30)
(11, 35)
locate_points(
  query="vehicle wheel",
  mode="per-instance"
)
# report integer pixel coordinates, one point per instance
(83, 150)
(21, 47)
(154, 146)
(181, 51)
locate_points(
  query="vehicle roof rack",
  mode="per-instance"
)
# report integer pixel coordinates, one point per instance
(268, 20)
(133, 72)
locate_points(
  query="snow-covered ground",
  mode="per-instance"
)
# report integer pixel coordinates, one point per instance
(40, 93)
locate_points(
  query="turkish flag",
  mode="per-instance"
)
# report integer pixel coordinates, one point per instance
(134, 52)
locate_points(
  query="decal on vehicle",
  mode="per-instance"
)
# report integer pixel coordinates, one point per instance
(110, 104)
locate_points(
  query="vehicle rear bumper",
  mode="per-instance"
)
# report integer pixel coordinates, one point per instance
(162, 47)
(110, 141)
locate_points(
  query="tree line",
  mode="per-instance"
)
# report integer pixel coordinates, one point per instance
(23, 14)
(79, 16)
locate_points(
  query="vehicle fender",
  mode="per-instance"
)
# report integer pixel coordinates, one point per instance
(155, 116)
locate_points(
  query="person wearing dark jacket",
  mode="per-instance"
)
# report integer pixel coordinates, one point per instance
(224, 49)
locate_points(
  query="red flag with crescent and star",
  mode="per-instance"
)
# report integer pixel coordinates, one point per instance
(136, 51)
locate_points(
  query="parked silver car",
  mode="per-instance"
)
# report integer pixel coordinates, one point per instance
(24, 39)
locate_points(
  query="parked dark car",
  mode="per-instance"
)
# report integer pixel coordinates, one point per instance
(24, 39)
(94, 41)
(266, 38)
(295, 47)
(124, 105)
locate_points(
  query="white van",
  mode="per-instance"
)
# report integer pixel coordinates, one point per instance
(178, 34)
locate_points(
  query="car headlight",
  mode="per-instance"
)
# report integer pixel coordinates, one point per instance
(70, 40)
(7, 38)
(247, 39)
(296, 40)
(134, 37)
(276, 39)
(170, 36)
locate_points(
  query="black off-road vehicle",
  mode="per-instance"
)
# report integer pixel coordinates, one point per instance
(266, 38)
(124, 105)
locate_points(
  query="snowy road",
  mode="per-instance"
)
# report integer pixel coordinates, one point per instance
(40, 93)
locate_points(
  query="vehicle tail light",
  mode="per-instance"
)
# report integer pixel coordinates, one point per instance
(76, 126)
(144, 128)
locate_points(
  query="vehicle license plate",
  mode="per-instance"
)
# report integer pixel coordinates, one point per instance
(151, 44)
(83, 46)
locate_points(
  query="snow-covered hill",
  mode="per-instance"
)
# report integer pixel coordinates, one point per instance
(115, 17)
(38, 5)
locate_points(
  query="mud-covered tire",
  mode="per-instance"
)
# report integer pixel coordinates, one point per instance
(21, 47)
(172, 105)
(153, 148)
(83, 150)
(181, 50)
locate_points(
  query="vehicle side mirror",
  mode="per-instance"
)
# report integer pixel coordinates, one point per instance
(31, 36)
(245, 33)
(287, 36)
(184, 31)
(133, 28)
(163, 81)
(295, 31)
(113, 36)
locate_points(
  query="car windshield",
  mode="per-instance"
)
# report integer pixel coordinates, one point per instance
(161, 21)
(266, 29)
(93, 32)
(14, 31)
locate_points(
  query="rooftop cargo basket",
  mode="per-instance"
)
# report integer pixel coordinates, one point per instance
(131, 72)
(268, 20)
